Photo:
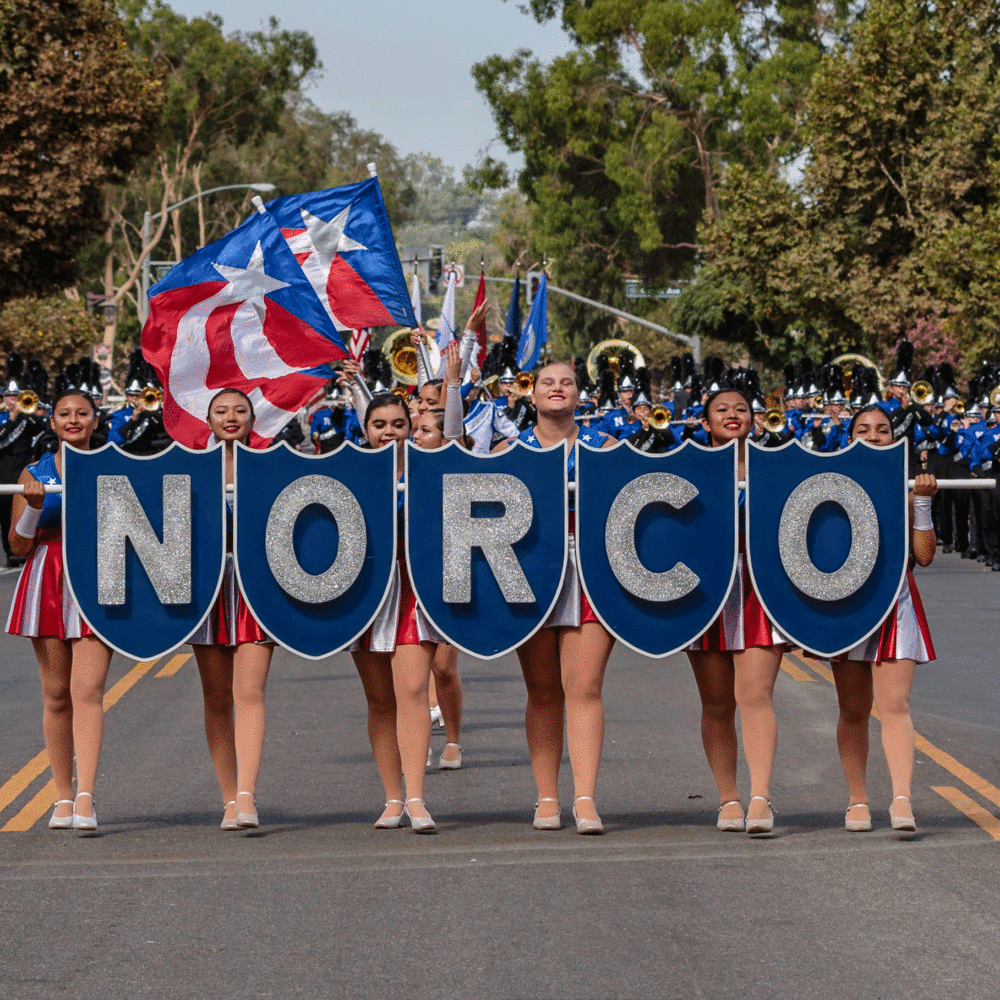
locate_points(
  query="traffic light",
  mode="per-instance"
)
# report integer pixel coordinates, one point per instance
(436, 270)
(531, 283)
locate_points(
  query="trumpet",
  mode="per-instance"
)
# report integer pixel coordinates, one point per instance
(921, 392)
(524, 381)
(152, 399)
(959, 410)
(774, 421)
(994, 397)
(818, 401)
(27, 402)
(659, 418)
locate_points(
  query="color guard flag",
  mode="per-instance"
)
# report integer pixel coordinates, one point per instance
(513, 325)
(415, 300)
(536, 330)
(446, 325)
(481, 329)
(238, 314)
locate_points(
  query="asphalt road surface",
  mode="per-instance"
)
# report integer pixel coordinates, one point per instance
(161, 903)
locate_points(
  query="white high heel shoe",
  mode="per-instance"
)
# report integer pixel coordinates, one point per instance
(391, 822)
(85, 822)
(451, 765)
(735, 824)
(247, 820)
(905, 823)
(420, 824)
(62, 822)
(547, 822)
(763, 824)
(587, 826)
(229, 824)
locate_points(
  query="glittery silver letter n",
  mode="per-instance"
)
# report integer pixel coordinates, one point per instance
(494, 535)
(619, 537)
(336, 580)
(120, 516)
(792, 534)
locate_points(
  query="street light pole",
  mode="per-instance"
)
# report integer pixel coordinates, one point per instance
(147, 221)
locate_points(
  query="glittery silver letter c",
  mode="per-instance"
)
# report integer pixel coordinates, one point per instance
(792, 537)
(120, 516)
(494, 535)
(315, 588)
(619, 537)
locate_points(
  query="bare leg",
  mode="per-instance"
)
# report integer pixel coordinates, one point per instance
(445, 678)
(54, 662)
(854, 693)
(543, 717)
(583, 655)
(251, 662)
(375, 672)
(411, 668)
(756, 670)
(91, 659)
(432, 695)
(714, 675)
(892, 682)
(215, 667)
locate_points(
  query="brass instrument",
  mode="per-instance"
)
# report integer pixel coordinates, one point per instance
(524, 381)
(492, 386)
(402, 356)
(845, 359)
(402, 391)
(921, 392)
(774, 421)
(959, 410)
(994, 397)
(152, 398)
(616, 349)
(27, 402)
(818, 401)
(659, 418)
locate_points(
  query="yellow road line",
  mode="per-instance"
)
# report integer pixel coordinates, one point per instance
(33, 811)
(796, 673)
(973, 810)
(14, 786)
(816, 667)
(46, 797)
(173, 665)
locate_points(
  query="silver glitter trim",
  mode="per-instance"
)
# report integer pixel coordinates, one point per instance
(794, 525)
(462, 532)
(120, 516)
(353, 539)
(619, 537)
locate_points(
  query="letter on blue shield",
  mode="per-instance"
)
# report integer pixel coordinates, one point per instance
(315, 542)
(656, 540)
(827, 540)
(486, 542)
(144, 543)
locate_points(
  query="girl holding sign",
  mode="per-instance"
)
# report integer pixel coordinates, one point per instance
(880, 670)
(72, 661)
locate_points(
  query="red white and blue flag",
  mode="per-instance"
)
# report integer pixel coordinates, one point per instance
(265, 308)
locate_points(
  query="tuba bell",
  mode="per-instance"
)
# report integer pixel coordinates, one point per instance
(402, 356)
(524, 381)
(27, 402)
(774, 421)
(614, 349)
(994, 397)
(921, 392)
(151, 399)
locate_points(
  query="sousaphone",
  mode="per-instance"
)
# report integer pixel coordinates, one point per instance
(614, 349)
(402, 356)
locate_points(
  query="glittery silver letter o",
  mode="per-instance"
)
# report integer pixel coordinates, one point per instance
(619, 537)
(494, 535)
(352, 539)
(793, 529)
(120, 516)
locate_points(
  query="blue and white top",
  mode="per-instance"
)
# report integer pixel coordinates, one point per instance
(44, 470)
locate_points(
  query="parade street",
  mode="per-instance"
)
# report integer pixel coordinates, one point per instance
(161, 903)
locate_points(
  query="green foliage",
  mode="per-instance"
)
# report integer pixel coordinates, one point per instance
(76, 112)
(53, 329)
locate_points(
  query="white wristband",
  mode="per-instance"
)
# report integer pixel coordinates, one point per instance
(922, 520)
(27, 524)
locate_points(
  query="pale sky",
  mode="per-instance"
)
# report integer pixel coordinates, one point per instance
(402, 67)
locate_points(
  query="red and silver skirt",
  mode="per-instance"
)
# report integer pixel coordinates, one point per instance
(400, 621)
(572, 607)
(229, 623)
(903, 635)
(43, 604)
(743, 623)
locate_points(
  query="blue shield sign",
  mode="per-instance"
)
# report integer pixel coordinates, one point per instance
(315, 542)
(656, 540)
(486, 542)
(144, 543)
(827, 539)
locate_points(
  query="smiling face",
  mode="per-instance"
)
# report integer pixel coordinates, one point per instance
(230, 417)
(426, 433)
(874, 427)
(554, 392)
(430, 398)
(74, 419)
(387, 424)
(729, 418)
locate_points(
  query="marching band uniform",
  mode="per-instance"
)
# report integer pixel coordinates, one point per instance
(43, 604)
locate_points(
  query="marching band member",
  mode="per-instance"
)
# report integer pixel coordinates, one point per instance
(737, 659)
(233, 653)
(881, 668)
(72, 661)
(564, 662)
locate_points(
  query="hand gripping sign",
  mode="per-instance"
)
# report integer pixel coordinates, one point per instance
(486, 541)
(827, 539)
(656, 540)
(315, 542)
(144, 543)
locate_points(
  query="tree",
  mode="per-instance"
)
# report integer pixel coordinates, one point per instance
(885, 228)
(53, 329)
(76, 112)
